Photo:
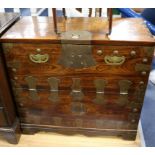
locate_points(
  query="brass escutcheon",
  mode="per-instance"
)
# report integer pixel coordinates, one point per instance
(100, 85)
(53, 82)
(142, 67)
(32, 81)
(76, 93)
(124, 87)
(78, 108)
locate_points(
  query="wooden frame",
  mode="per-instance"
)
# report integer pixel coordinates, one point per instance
(109, 15)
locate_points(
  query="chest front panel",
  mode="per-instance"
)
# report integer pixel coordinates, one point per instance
(79, 85)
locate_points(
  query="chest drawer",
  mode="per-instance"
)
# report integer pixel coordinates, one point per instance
(84, 106)
(49, 59)
(3, 122)
(108, 85)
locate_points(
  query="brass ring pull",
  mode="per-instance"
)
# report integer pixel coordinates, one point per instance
(114, 60)
(39, 58)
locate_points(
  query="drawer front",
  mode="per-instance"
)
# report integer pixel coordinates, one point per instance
(92, 100)
(78, 105)
(107, 85)
(3, 122)
(54, 59)
(108, 122)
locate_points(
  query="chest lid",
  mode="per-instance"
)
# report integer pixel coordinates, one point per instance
(129, 31)
(6, 20)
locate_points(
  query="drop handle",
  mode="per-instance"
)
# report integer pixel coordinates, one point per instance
(114, 60)
(39, 58)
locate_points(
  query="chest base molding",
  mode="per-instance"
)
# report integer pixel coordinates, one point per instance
(34, 128)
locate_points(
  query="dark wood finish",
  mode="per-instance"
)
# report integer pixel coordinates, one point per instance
(9, 125)
(54, 50)
(7, 20)
(90, 12)
(79, 107)
(100, 12)
(54, 20)
(109, 13)
(64, 12)
(2, 118)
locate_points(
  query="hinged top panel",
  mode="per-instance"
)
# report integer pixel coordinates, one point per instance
(6, 19)
(130, 31)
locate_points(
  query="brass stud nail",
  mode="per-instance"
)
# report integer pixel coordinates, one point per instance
(115, 52)
(99, 52)
(38, 50)
(143, 72)
(135, 109)
(141, 82)
(133, 53)
(133, 121)
(145, 60)
(14, 69)
(15, 78)
(21, 104)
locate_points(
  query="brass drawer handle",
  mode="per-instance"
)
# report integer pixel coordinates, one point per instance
(114, 60)
(39, 58)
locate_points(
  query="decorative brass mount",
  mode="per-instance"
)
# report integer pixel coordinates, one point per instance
(53, 82)
(32, 81)
(100, 85)
(124, 87)
(77, 96)
(76, 56)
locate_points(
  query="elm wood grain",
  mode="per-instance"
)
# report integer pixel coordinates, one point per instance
(40, 29)
(43, 111)
(21, 52)
(126, 114)
(109, 121)
(86, 82)
(64, 105)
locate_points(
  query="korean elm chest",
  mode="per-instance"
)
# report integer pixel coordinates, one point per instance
(80, 81)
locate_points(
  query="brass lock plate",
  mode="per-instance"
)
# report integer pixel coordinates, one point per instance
(32, 82)
(100, 85)
(53, 82)
(76, 55)
(76, 93)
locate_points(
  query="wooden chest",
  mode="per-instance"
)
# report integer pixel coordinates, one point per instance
(9, 123)
(80, 81)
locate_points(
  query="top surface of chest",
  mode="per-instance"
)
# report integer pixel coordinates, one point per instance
(6, 19)
(37, 29)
